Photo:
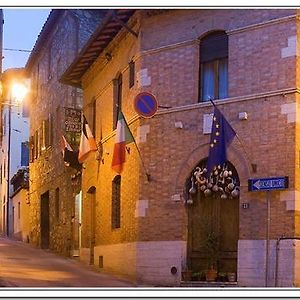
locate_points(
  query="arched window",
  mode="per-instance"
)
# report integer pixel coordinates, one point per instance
(116, 203)
(214, 66)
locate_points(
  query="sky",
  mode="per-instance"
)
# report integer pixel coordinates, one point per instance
(21, 29)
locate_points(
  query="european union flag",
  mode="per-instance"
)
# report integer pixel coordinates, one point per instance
(222, 135)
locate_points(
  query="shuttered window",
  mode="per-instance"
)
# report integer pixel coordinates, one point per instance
(31, 147)
(117, 101)
(131, 74)
(214, 66)
(24, 154)
(116, 203)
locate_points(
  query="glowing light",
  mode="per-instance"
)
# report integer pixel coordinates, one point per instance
(18, 92)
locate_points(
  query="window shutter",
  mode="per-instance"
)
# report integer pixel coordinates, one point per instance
(116, 203)
(214, 46)
(31, 146)
(36, 144)
(131, 73)
(24, 154)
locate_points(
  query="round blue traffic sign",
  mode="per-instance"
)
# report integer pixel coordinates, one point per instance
(145, 104)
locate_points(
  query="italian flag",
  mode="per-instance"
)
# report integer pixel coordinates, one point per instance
(123, 137)
(87, 142)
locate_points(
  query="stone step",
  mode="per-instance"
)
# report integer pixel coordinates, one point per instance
(208, 284)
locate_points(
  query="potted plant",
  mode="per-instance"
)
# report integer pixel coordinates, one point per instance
(196, 276)
(186, 275)
(222, 276)
(211, 246)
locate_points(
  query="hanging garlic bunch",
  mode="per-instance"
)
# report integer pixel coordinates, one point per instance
(220, 182)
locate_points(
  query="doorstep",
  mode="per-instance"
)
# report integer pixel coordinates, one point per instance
(208, 284)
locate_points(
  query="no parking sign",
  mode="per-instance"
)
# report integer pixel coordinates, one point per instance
(145, 104)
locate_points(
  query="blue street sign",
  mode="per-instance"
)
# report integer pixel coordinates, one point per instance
(268, 184)
(145, 104)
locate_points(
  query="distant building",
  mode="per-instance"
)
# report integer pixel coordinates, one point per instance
(55, 110)
(153, 230)
(20, 205)
(1, 37)
(14, 134)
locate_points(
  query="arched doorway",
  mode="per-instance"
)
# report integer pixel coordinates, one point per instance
(213, 218)
(91, 197)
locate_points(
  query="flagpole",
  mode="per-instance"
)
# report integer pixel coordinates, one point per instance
(238, 138)
(143, 164)
(139, 152)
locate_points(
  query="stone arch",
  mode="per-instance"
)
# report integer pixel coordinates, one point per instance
(235, 156)
(209, 32)
(91, 190)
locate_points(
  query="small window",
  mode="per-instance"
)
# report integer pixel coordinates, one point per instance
(131, 74)
(116, 203)
(57, 204)
(117, 103)
(19, 210)
(214, 66)
(31, 147)
(1, 174)
(25, 109)
(35, 144)
(4, 124)
(24, 154)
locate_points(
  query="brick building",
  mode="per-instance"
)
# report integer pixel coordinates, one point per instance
(52, 191)
(247, 61)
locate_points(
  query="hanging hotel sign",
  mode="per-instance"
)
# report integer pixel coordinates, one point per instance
(145, 104)
(268, 184)
(72, 120)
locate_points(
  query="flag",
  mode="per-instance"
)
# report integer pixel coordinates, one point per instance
(123, 137)
(87, 142)
(70, 156)
(222, 135)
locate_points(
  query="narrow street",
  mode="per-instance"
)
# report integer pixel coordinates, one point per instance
(21, 265)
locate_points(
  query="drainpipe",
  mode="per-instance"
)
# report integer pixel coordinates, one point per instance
(277, 255)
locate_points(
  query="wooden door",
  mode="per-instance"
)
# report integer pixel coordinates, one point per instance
(213, 214)
(45, 222)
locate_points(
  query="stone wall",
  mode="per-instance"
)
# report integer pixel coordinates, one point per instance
(262, 83)
(48, 99)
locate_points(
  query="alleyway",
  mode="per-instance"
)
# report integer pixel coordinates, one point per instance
(21, 265)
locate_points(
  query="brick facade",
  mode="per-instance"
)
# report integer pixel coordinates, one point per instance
(262, 65)
(61, 38)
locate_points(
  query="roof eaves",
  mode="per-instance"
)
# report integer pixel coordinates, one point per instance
(82, 57)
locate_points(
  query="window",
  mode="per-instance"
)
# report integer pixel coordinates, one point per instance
(19, 210)
(131, 73)
(117, 103)
(25, 109)
(4, 124)
(24, 154)
(35, 144)
(46, 134)
(57, 204)
(116, 203)
(1, 174)
(214, 66)
(31, 147)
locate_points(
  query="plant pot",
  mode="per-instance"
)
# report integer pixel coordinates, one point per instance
(186, 275)
(211, 275)
(231, 276)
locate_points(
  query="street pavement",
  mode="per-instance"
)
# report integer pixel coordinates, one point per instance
(22, 265)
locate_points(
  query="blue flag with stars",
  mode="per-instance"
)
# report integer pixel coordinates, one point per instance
(222, 135)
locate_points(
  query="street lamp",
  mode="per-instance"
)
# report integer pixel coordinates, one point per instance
(16, 92)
